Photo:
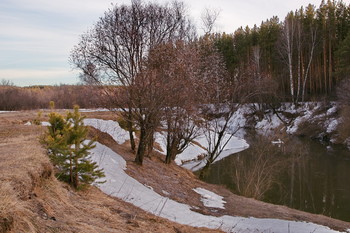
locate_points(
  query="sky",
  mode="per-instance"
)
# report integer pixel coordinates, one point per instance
(36, 36)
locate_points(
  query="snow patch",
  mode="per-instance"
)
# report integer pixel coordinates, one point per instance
(210, 199)
(294, 127)
(28, 123)
(332, 125)
(269, 122)
(110, 127)
(188, 158)
(94, 110)
(45, 123)
(192, 158)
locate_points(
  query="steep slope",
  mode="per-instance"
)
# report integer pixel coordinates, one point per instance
(33, 200)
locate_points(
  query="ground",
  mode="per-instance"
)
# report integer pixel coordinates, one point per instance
(36, 201)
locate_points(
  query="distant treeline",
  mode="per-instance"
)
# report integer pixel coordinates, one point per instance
(36, 97)
(306, 54)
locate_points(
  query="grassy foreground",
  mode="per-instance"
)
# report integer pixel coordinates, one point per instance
(33, 200)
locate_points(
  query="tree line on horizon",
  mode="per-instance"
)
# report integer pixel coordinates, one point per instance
(305, 55)
(13, 98)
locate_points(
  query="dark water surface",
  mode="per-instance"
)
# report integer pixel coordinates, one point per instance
(303, 174)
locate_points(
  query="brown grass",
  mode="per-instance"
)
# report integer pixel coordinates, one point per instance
(32, 200)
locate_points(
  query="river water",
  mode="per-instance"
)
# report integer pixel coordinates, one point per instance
(302, 174)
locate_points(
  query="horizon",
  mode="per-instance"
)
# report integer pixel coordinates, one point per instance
(37, 38)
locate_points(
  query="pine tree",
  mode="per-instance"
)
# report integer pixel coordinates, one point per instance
(69, 149)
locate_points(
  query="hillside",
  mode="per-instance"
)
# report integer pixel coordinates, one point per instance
(34, 201)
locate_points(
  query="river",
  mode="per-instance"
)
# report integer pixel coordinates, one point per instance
(302, 174)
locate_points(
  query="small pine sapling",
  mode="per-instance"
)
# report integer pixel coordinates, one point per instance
(66, 141)
(83, 169)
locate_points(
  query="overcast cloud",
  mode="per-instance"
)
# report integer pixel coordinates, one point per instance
(36, 36)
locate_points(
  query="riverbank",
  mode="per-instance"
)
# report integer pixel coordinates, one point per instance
(176, 183)
(170, 181)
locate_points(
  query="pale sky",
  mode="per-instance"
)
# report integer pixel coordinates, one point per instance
(36, 36)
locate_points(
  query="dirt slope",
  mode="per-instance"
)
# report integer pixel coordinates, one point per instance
(32, 200)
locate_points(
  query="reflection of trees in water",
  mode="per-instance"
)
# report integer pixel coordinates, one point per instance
(275, 174)
(301, 174)
(297, 176)
(254, 175)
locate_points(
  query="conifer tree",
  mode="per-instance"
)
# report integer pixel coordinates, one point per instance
(68, 147)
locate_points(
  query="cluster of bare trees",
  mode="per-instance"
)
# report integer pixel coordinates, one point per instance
(65, 96)
(152, 67)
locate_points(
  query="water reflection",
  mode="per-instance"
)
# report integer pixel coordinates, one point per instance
(302, 174)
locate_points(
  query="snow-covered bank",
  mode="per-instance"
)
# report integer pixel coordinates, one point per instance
(120, 185)
(210, 199)
(313, 119)
(94, 110)
(110, 127)
(7, 111)
(188, 158)
(192, 157)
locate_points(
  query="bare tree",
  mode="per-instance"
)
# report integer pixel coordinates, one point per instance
(209, 18)
(113, 53)
(4, 82)
(287, 48)
(221, 97)
(313, 35)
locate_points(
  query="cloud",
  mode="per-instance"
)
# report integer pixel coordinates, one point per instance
(38, 34)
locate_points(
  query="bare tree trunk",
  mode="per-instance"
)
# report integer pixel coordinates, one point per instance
(325, 65)
(299, 62)
(313, 45)
(142, 146)
(330, 68)
(130, 129)
(289, 40)
(150, 143)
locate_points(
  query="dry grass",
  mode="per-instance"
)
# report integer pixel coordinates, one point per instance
(32, 200)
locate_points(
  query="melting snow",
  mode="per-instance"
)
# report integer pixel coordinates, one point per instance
(45, 123)
(189, 157)
(94, 110)
(210, 199)
(332, 125)
(121, 185)
(110, 127)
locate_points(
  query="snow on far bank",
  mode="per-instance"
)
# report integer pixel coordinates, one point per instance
(121, 185)
(110, 127)
(210, 199)
(45, 123)
(7, 111)
(332, 125)
(269, 122)
(93, 110)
